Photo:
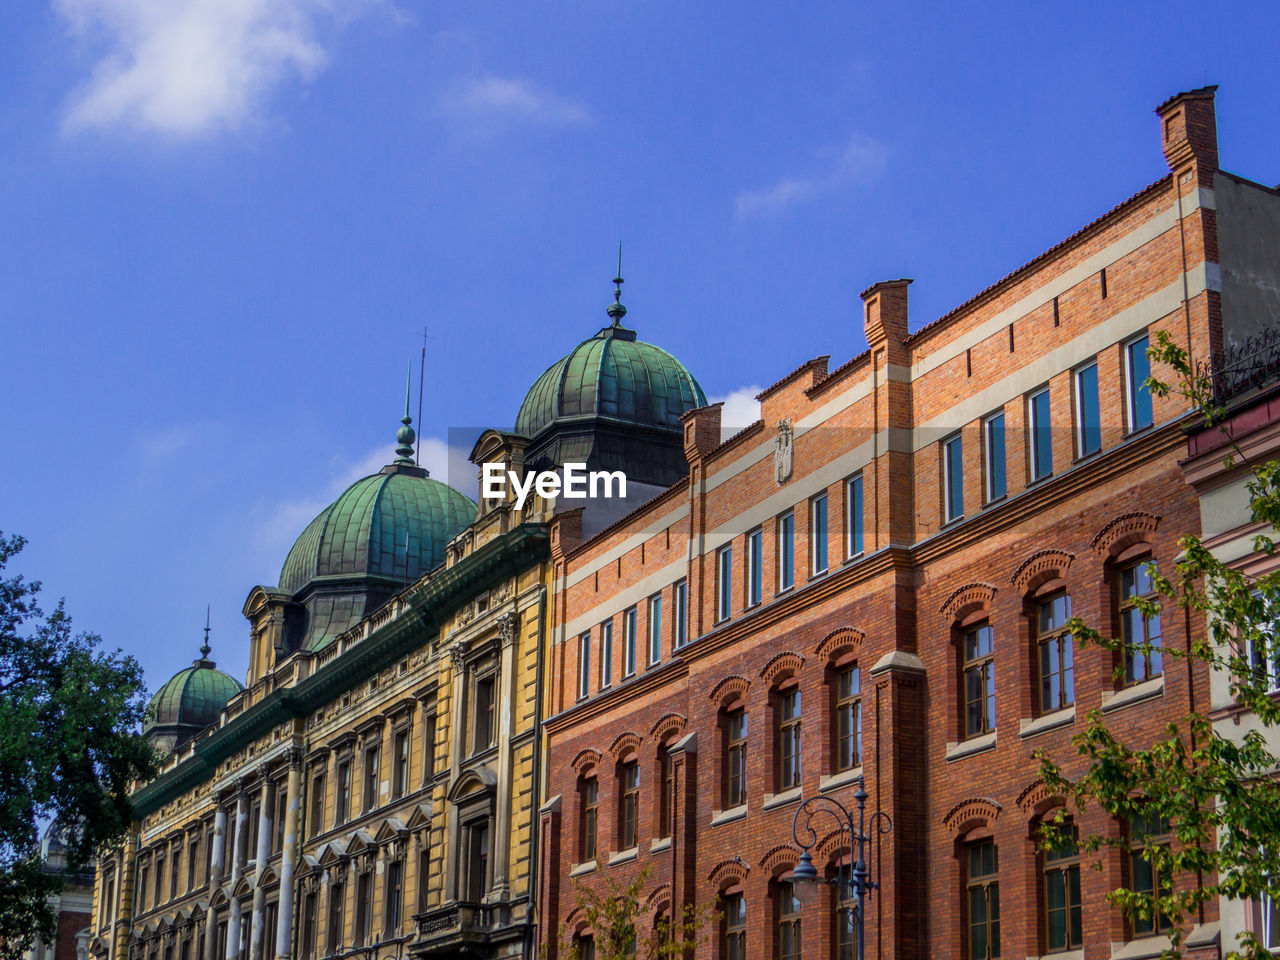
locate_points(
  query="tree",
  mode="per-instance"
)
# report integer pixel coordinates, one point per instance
(1218, 795)
(620, 929)
(70, 749)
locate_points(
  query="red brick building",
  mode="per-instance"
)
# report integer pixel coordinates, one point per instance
(868, 582)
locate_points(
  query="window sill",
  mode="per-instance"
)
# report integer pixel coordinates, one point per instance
(967, 748)
(1061, 955)
(819, 574)
(659, 845)
(624, 856)
(728, 816)
(841, 779)
(582, 869)
(1046, 722)
(1144, 949)
(783, 591)
(774, 800)
(1139, 692)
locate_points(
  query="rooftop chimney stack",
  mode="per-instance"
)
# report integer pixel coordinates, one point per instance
(1190, 131)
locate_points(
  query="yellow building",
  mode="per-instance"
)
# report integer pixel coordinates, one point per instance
(370, 790)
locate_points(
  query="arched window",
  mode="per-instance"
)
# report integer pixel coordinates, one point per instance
(978, 679)
(1055, 654)
(588, 806)
(734, 726)
(1140, 630)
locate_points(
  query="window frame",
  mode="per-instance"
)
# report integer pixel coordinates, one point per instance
(371, 770)
(789, 915)
(724, 583)
(1130, 603)
(953, 478)
(785, 550)
(655, 629)
(401, 760)
(1059, 639)
(1067, 864)
(1137, 840)
(629, 804)
(606, 654)
(991, 459)
(986, 883)
(584, 665)
(629, 627)
(680, 613)
(788, 746)
(590, 812)
(848, 701)
(1133, 388)
(733, 929)
(1078, 393)
(754, 583)
(984, 664)
(342, 792)
(737, 736)
(819, 535)
(1040, 432)
(854, 516)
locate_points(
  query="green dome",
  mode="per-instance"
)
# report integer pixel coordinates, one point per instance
(615, 376)
(190, 700)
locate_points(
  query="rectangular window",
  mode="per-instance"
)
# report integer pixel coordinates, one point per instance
(159, 892)
(788, 922)
(680, 613)
(337, 919)
(1041, 435)
(143, 873)
(590, 812)
(477, 861)
(107, 904)
(736, 759)
(1270, 922)
(789, 739)
(364, 907)
(309, 926)
(1063, 923)
(993, 438)
(735, 927)
(853, 516)
(628, 834)
(282, 811)
(371, 774)
(655, 629)
(629, 642)
(983, 895)
(953, 479)
(424, 874)
(846, 934)
(429, 746)
(1141, 633)
(1056, 655)
(271, 925)
(755, 567)
(979, 681)
(786, 534)
(724, 583)
(1137, 369)
(484, 725)
(317, 805)
(1145, 877)
(342, 801)
(392, 898)
(1088, 415)
(849, 718)
(818, 535)
(584, 665)
(174, 870)
(666, 777)
(400, 749)
(606, 654)
(193, 861)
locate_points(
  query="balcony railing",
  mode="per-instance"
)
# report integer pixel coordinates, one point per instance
(454, 922)
(1252, 363)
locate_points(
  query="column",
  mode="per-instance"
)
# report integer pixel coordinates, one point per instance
(122, 915)
(217, 862)
(684, 822)
(505, 718)
(289, 856)
(260, 865)
(237, 871)
(457, 739)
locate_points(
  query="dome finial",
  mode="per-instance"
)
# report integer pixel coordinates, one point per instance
(405, 435)
(616, 310)
(205, 649)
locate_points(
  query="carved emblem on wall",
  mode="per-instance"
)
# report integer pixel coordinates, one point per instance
(782, 450)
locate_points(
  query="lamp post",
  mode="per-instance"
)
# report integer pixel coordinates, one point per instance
(859, 884)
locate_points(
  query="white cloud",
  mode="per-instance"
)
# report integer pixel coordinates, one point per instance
(858, 161)
(741, 409)
(490, 99)
(186, 68)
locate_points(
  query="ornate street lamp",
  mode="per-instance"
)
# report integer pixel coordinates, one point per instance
(858, 885)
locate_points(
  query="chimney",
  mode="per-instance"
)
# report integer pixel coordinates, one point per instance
(1189, 130)
(701, 431)
(566, 532)
(886, 311)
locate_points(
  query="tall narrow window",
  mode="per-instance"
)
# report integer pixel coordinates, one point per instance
(143, 873)
(364, 907)
(788, 922)
(400, 749)
(193, 861)
(630, 821)
(789, 739)
(629, 642)
(606, 654)
(1137, 369)
(983, 895)
(590, 807)
(342, 799)
(309, 926)
(1088, 415)
(953, 478)
(424, 873)
(483, 720)
(853, 515)
(818, 535)
(337, 917)
(477, 860)
(848, 718)
(680, 613)
(1270, 934)
(1063, 926)
(105, 905)
(1142, 658)
(734, 945)
(282, 810)
(786, 534)
(392, 898)
(724, 582)
(755, 567)
(371, 778)
(655, 629)
(735, 758)
(174, 870)
(979, 681)
(1041, 435)
(316, 818)
(429, 746)
(846, 935)
(584, 665)
(667, 785)
(1144, 876)
(1055, 654)
(993, 438)
(159, 896)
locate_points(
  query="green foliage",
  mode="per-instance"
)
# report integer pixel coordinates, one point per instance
(1218, 795)
(621, 930)
(69, 750)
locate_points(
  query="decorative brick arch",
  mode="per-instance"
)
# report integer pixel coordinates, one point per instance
(1123, 532)
(585, 759)
(967, 599)
(728, 872)
(832, 845)
(668, 725)
(1036, 798)
(660, 896)
(781, 665)
(576, 920)
(624, 743)
(730, 688)
(1040, 567)
(783, 855)
(839, 642)
(969, 813)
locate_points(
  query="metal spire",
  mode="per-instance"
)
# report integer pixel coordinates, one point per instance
(616, 310)
(405, 435)
(205, 649)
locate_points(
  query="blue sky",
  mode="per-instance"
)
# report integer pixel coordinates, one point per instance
(225, 223)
